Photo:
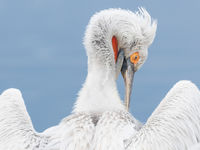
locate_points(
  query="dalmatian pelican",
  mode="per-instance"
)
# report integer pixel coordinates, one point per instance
(116, 41)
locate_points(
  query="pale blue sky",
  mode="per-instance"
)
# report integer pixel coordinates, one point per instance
(42, 54)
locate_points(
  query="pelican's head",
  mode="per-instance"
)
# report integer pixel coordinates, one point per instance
(117, 41)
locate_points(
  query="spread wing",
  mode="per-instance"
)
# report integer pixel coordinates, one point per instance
(16, 130)
(175, 124)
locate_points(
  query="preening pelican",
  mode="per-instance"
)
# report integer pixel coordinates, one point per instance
(116, 41)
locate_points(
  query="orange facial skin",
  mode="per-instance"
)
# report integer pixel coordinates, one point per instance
(115, 47)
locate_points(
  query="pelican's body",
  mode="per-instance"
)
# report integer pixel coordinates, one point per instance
(116, 40)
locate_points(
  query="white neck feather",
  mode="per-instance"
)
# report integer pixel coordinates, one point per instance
(98, 94)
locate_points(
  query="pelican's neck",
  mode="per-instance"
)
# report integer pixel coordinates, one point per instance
(99, 93)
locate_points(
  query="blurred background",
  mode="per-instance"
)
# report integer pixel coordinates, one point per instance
(41, 53)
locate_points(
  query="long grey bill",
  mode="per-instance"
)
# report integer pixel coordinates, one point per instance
(128, 75)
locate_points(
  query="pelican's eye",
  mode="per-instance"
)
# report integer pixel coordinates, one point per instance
(135, 57)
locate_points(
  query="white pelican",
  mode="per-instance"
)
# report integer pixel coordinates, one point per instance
(115, 40)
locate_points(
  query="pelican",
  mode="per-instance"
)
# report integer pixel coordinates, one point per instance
(116, 41)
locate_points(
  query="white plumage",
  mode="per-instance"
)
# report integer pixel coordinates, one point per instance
(175, 124)
(16, 131)
(99, 120)
(195, 147)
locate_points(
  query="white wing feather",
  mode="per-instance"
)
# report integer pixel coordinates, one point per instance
(175, 124)
(17, 133)
(195, 147)
(16, 130)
